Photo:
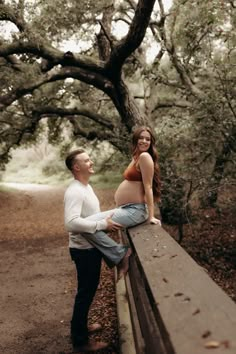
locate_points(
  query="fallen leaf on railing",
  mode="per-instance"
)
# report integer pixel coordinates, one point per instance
(196, 312)
(212, 344)
(187, 299)
(206, 334)
(226, 343)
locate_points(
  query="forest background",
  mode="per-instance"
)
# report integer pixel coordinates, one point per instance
(86, 73)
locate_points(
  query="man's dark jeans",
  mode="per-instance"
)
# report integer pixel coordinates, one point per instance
(88, 266)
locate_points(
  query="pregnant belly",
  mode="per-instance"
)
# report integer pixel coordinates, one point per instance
(129, 192)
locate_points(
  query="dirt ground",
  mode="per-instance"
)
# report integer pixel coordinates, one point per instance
(38, 280)
(37, 277)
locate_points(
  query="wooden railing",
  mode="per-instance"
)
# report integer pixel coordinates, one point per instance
(174, 306)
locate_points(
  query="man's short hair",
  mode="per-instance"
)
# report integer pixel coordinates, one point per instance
(71, 157)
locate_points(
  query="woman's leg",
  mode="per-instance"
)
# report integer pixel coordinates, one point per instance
(130, 214)
(101, 215)
(112, 251)
(127, 215)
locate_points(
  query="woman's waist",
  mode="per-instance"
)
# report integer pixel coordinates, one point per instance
(128, 187)
(140, 206)
(130, 197)
(121, 201)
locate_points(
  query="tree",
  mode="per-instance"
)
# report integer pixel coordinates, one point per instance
(186, 92)
(32, 61)
(196, 88)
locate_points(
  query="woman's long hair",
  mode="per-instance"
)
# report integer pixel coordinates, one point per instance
(156, 183)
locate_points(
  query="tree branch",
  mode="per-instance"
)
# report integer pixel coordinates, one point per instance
(62, 112)
(133, 39)
(54, 55)
(7, 14)
(227, 96)
(116, 138)
(170, 47)
(172, 103)
(54, 75)
(16, 64)
(104, 37)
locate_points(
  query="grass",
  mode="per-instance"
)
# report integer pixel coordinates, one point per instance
(107, 180)
(4, 189)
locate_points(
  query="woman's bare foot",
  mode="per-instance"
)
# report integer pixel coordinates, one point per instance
(123, 266)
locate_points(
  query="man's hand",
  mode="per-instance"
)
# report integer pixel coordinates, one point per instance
(112, 225)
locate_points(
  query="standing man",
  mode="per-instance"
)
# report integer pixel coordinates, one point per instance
(80, 202)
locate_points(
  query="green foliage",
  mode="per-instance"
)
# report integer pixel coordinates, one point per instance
(192, 130)
(60, 20)
(44, 162)
(174, 206)
(37, 164)
(199, 25)
(107, 180)
(7, 189)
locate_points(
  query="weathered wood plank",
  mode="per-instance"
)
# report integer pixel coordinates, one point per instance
(138, 338)
(150, 329)
(192, 307)
(127, 343)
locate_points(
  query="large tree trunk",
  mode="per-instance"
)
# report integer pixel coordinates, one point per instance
(127, 107)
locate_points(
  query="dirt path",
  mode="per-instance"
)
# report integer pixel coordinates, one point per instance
(37, 276)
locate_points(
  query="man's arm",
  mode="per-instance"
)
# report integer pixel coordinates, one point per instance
(79, 224)
(73, 202)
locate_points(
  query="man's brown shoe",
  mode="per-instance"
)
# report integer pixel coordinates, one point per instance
(91, 346)
(95, 327)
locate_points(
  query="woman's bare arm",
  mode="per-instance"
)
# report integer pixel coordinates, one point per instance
(146, 166)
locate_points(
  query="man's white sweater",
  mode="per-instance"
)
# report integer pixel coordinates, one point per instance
(80, 201)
